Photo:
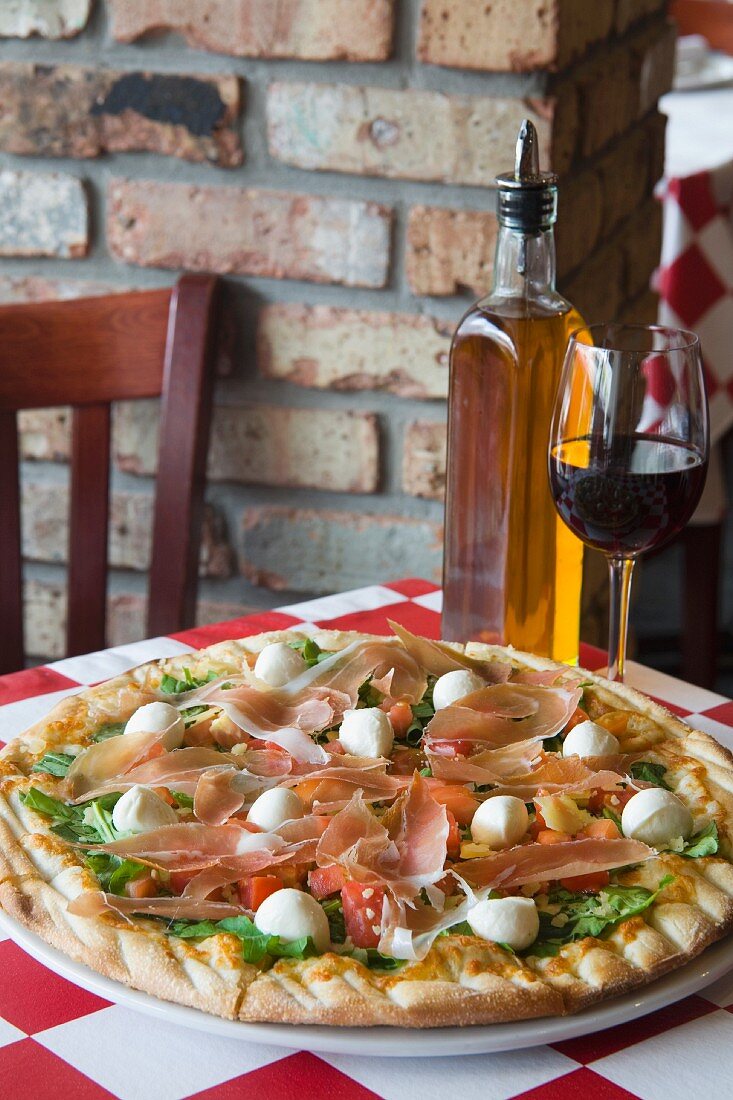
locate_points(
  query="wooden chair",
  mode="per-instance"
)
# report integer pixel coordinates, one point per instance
(88, 353)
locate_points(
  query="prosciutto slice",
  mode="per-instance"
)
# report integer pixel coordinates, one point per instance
(558, 775)
(252, 863)
(95, 903)
(347, 670)
(489, 766)
(187, 845)
(405, 851)
(408, 932)
(503, 714)
(109, 759)
(217, 796)
(439, 658)
(179, 770)
(542, 862)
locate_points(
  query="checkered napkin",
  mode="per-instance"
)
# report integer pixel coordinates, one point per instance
(59, 1041)
(695, 279)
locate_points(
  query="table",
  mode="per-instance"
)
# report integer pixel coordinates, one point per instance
(60, 1041)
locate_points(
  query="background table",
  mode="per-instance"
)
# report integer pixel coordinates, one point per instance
(59, 1041)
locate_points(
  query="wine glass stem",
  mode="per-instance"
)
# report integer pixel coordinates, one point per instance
(620, 571)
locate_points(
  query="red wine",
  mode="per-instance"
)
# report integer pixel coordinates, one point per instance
(627, 497)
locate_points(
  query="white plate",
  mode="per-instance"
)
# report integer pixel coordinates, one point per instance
(716, 72)
(394, 1042)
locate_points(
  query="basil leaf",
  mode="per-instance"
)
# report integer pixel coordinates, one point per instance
(110, 729)
(650, 773)
(704, 843)
(257, 944)
(335, 912)
(186, 930)
(169, 685)
(43, 803)
(54, 763)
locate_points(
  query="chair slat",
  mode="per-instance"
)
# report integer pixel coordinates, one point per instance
(11, 578)
(102, 349)
(88, 525)
(184, 440)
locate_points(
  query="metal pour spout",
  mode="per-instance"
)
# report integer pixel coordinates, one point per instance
(527, 156)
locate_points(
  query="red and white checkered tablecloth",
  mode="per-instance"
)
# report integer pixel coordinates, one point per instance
(695, 278)
(59, 1041)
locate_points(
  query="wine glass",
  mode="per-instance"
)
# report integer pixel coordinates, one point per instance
(628, 448)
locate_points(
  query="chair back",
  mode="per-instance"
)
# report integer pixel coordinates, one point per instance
(87, 353)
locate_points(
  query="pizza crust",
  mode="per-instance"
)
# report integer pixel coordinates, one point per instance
(463, 981)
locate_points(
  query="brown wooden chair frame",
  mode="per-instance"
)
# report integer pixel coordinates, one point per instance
(87, 353)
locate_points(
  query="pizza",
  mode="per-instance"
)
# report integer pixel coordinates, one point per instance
(345, 829)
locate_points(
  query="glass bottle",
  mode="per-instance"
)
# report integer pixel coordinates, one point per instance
(512, 571)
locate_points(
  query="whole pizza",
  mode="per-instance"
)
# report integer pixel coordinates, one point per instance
(355, 830)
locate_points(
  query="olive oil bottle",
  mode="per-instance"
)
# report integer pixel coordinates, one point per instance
(512, 570)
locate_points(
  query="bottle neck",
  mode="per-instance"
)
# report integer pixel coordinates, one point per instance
(525, 263)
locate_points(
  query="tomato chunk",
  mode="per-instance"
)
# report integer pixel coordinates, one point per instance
(578, 716)
(552, 836)
(144, 886)
(456, 799)
(586, 884)
(362, 913)
(454, 837)
(602, 827)
(179, 880)
(326, 880)
(255, 888)
(400, 715)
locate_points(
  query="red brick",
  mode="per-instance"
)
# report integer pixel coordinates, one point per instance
(313, 30)
(450, 250)
(423, 459)
(268, 233)
(68, 111)
(507, 36)
(348, 349)
(45, 530)
(331, 449)
(324, 551)
(411, 133)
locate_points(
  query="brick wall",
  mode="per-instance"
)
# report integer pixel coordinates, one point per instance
(334, 159)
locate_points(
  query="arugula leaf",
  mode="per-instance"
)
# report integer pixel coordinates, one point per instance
(190, 714)
(704, 843)
(255, 944)
(463, 928)
(184, 800)
(310, 651)
(553, 744)
(88, 823)
(370, 957)
(422, 712)
(607, 812)
(650, 773)
(112, 871)
(369, 696)
(169, 685)
(54, 763)
(426, 772)
(575, 916)
(110, 729)
(335, 913)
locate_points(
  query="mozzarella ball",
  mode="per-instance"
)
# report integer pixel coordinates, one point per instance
(141, 810)
(589, 739)
(273, 808)
(155, 718)
(278, 663)
(258, 842)
(655, 817)
(366, 732)
(452, 686)
(291, 914)
(513, 921)
(500, 822)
